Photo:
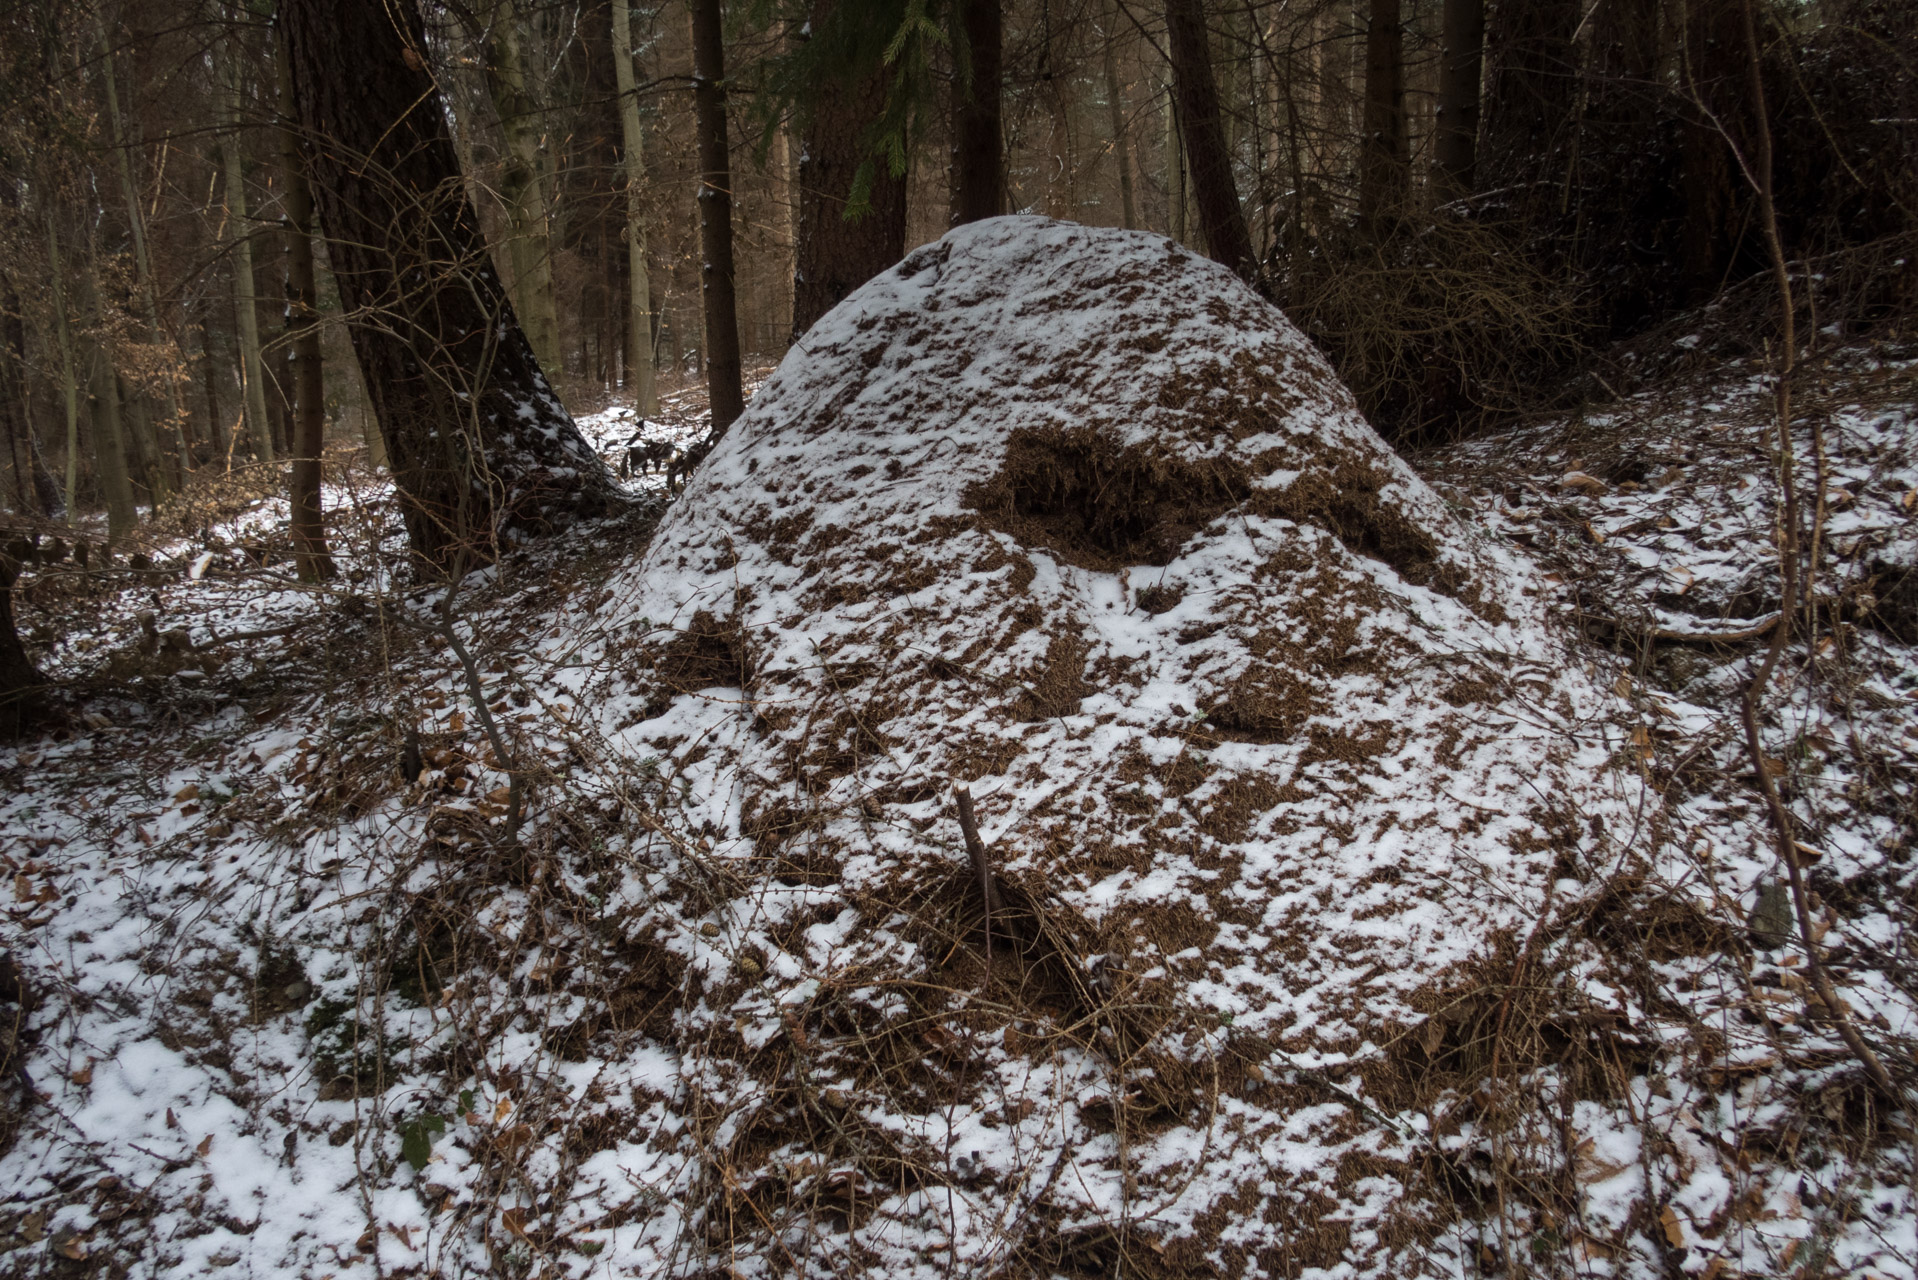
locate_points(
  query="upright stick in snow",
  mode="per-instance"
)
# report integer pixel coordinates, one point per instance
(476, 439)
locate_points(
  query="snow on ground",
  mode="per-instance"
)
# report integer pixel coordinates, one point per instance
(1359, 916)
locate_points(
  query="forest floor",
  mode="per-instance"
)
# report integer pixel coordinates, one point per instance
(277, 1010)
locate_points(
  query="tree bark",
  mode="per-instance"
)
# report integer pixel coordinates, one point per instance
(1461, 63)
(19, 682)
(259, 428)
(715, 215)
(522, 189)
(1121, 139)
(1221, 218)
(477, 442)
(69, 367)
(978, 141)
(837, 254)
(308, 434)
(1383, 163)
(1532, 95)
(639, 296)
(109, 449)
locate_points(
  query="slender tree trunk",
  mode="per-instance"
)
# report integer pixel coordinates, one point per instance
(1461, 63)
(1383, 163)
(978, 141)
(37, 488)
(69, 370)
(1062, 194)
(246, 312)
(529, 239)
(109, 449)
(837, 254)
(308, 437)
(160, 462)
(1178, 199)
(1221, 218)
(1720, 120)
(1121, 140)
(1531, 101)
(210, 372)
(476, 439)
(715, 215)
(639, 296)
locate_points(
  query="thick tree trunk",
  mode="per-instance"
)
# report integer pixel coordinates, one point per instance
(837, 254)
(640, 382)
(259, 428)
(1461, 63)
(308, 436)
(978, 143)
(522, 188)
(1215, 192)
(1714, 80)
(1532, 95)
(475, 438)
(1384, 177)
(715, 216)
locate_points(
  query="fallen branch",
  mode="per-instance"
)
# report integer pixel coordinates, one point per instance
(976, 851)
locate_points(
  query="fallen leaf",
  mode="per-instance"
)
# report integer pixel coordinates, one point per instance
(172, 1121)
(206, 1145)
(72, 1248)
(502, 1109)
(1583, 483)
(1713, 1268)
(515, 1220)
(500, 795)
(1674, 1229)
(1622, 686)
(456, 722)
(84, 1076)
(191, 791)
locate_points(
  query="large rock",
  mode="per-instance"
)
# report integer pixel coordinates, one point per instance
(1275, 759)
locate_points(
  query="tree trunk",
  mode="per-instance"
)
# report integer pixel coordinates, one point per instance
(210, 373)
(1384, 177)
(308, 437)
(639, 305)
(1720, 119)
(69, 367)
(109, 449)
(476, 440)
(837, 254)
(522, 189)
(1221, 218)
(1461, 62)
(1531, 97)
(37, 489)
(161, 459)
(259, 429)
(19, 682)
(1121, 141)
(715, 215)
(978, 143)
(1178, 199)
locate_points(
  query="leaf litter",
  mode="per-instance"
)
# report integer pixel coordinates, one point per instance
(1372, 867)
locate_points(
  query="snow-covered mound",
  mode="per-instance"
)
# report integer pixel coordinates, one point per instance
(1273, 759)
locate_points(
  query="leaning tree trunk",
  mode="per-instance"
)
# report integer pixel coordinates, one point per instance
(1214, 190)
(978, 144)
(1461, 61)
(715, 216)
(1383, 164)
(837, 254)
(476, 440)
(307, 385)
(639, 299)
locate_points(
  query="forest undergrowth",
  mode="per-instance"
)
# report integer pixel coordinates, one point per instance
(342, 939)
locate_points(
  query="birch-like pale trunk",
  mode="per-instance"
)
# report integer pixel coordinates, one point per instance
(1121, 140)
(639, 298)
